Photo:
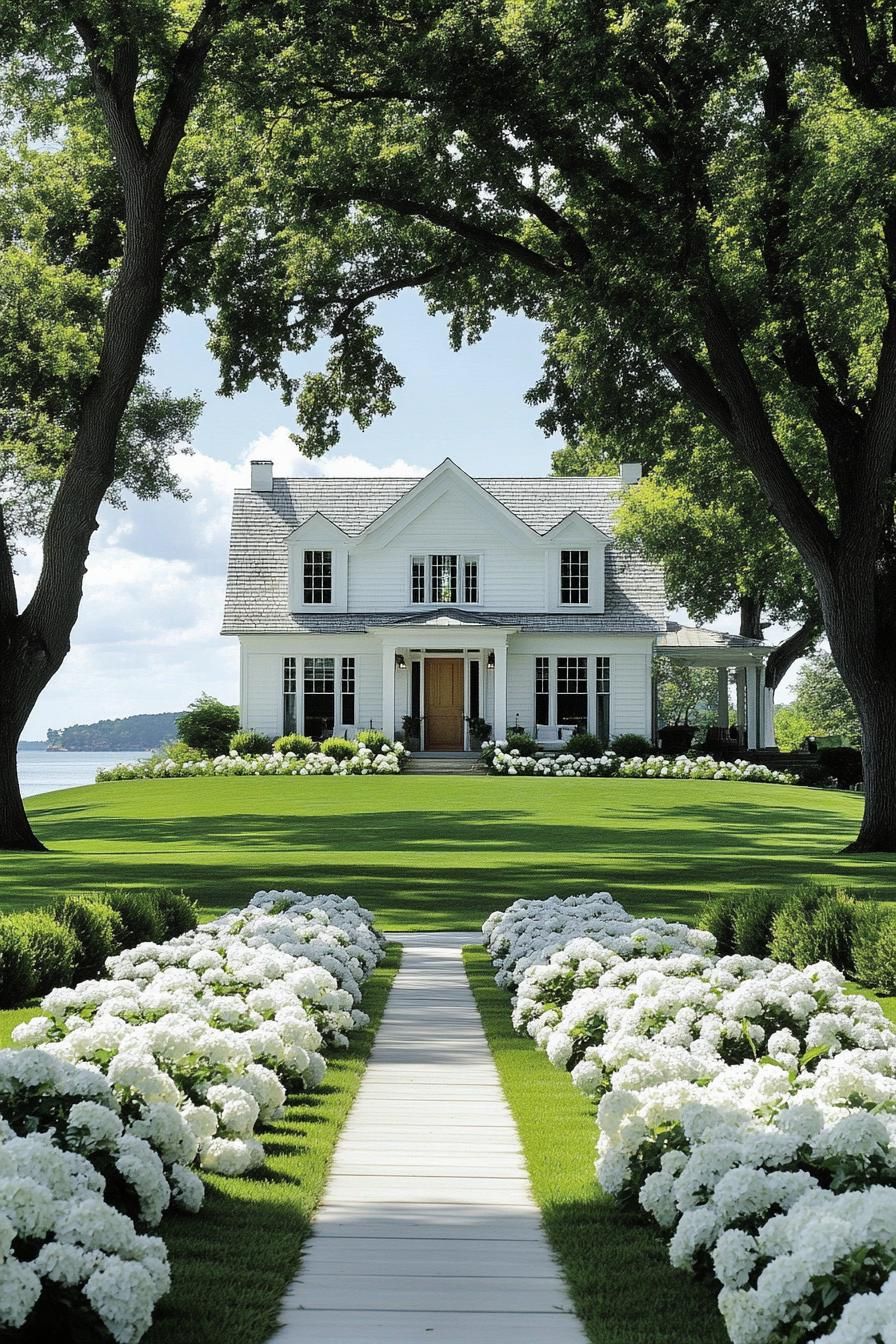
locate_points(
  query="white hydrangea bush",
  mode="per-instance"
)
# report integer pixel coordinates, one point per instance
(64, 1249)
(390, 759)
(216, 1023)
(121, 1086)
(749, 1107)
(504, 759)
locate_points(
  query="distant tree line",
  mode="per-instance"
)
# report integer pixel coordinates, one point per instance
(138, 732)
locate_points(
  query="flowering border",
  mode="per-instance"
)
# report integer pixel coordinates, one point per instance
(750, 1106)
(502, 759)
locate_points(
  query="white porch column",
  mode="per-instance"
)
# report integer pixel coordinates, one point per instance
(768, 714)
(752, 710)
(740, 682)
(388, 725)
(500, 726)
(722, 712)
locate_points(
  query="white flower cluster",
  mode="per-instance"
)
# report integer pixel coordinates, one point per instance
(63, 1246)
(749, 1106)
(389, 760)
(122, 1085)
(206, 1028)
(507, 760)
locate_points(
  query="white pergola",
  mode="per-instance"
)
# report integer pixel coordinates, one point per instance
(746, 658)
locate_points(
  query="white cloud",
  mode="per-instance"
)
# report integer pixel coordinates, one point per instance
(288, 461)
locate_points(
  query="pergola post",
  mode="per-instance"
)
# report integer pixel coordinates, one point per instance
(752, 709)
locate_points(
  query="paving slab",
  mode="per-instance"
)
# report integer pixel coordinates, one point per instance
(428, 1232)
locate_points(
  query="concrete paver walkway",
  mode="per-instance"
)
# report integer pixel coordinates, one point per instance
(428, 1230)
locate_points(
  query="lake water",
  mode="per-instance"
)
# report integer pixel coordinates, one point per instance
(41, 771)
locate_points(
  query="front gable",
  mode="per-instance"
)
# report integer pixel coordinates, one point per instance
(447, 492)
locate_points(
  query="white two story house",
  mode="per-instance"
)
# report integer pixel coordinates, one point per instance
(369, 602)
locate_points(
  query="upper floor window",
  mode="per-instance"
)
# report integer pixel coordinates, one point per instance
(444, 579)
(574, 578)
(318, 578)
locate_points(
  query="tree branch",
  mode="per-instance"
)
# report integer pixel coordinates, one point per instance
(114, 89)
(782, 658)
(697, 384)
(574, 244)
(496, 244)
(839, 423)
(183, 87)
(389, 287)
(755, 442)
(867, 492)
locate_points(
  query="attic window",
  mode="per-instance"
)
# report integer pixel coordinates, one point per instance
(444, 579)
(318, 578)
(573, 578)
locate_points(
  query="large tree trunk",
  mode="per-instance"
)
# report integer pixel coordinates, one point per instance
(15, 828)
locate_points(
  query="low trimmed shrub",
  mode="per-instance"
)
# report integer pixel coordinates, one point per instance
(178, 911)
(874, 947)
(752, 915)
(338, 747)
(816, 924)
(521, 742)
(373, 739)
(843, 763)
(98, 928)
(177, 751)
(250, 744)
(18, 980)
(140, 914)
(54, 948)
(294, 742)
(717, 917)
(632, 744)
(585, 744)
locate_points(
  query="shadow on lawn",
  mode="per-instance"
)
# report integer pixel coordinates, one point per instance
(437, 866)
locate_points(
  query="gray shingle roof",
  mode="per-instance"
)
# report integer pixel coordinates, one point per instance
(257, 580)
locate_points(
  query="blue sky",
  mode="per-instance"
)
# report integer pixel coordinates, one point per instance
(147, 639)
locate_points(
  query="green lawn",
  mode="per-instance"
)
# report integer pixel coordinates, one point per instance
(441, 852)
(617, 1266)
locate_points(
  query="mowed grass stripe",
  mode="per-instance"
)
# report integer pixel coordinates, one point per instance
(431, 852)
(616, 1265)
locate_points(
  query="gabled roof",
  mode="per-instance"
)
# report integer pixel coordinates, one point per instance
(257, 598)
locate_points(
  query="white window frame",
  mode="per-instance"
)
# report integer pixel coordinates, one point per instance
(565, 602)
(326, 552)
(461, 560)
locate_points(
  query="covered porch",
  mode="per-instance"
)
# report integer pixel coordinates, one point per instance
(440, 673)
(736, 658)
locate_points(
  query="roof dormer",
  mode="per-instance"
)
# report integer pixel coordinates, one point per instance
(318, 566)
(575, 566)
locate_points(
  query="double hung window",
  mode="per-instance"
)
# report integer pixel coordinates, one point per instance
(317, 578)
(573, 578)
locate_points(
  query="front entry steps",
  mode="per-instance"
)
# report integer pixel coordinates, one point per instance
(444, 763)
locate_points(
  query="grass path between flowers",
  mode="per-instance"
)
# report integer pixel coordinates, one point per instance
(617, 1267)
(231, 1263)
(442, 852)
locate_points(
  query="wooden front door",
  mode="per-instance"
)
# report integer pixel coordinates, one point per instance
(444, 704)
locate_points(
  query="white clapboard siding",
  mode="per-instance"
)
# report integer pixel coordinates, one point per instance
(630, 694)
(264, 693)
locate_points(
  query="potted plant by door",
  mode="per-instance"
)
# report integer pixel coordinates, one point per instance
(411, 726)
(480, 731)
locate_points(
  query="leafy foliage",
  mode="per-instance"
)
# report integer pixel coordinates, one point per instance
(823, 699)
(137, 732)
(208, 725)
(685, 693)
(250, 744)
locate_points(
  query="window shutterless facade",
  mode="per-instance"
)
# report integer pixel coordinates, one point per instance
(317, 578)
(289, 695)
(444, 579)
(573, 578)
(319, 684)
